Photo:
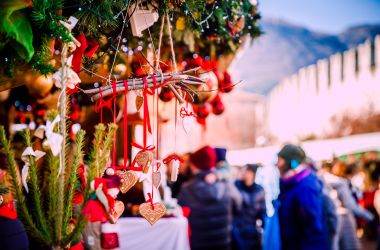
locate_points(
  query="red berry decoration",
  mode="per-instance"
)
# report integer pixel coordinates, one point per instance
(217, 105)
(202, 111)
(227, 85)
(166, 95)
(218, 108)
(201, 121)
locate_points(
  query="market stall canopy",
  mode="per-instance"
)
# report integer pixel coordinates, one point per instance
(318, 150)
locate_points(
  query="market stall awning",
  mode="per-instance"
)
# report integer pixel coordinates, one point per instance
(318, 150)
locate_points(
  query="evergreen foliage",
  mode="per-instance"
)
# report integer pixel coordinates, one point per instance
(38, 209)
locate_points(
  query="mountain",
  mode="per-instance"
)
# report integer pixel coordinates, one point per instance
(284, 48)
(358, 34)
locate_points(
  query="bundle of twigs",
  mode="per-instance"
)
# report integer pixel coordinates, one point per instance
(173, 80)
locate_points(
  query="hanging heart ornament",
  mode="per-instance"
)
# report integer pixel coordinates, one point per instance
(144, 159)
(156, 179)
(152, 215)
(116, 212)
(188, 123)
(139, 102)
(188, 119)
(128, 180)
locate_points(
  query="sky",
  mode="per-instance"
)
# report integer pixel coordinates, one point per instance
(331, 16)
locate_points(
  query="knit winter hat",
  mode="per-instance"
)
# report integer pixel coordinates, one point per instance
(252, 167)
(292, 153)
(204, 159)
(220, 154)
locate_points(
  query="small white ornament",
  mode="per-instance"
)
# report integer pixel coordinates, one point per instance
(141, 20)
(110, 171)
(174, 165)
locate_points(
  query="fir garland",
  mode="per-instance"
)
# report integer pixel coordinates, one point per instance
(205, 24)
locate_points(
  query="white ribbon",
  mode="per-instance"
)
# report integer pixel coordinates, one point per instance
(53, 139)
(25, 169)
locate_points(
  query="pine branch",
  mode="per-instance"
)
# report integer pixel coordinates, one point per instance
(106, 149)
(53, 162)
(78, 155)
(94, 156)
(53, 193)
(23, 211)
(79, 226)
(35, 189)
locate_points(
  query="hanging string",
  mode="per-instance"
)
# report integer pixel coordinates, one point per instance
(101, 107)
(175, 126)
(125, 123)
(118, 44)
(158, 134)
(176, 71)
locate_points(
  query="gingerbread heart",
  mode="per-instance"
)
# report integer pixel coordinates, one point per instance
(139, 102)
(116, 212)
(152, 215)
(128, 180)
(144, 159)
(156, 179)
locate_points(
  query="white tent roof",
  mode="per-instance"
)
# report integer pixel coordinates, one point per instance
(317, 150)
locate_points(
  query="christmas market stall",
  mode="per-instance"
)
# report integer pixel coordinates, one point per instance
(84, 89)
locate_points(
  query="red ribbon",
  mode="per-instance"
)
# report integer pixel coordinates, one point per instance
(102, 103)
(125, 123)
(183, 112)
(72, 91)
(146, 92)
(172, 157)
(114, 121)
(150, 91)
(150, 200)
(88, 48)
(143, 148)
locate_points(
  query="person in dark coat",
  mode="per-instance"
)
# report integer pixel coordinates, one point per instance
(211, 204)
(248, 222)
(12, 232)
(301, 207)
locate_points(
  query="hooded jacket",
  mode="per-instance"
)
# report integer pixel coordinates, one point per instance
(300, 212)
(211, 211)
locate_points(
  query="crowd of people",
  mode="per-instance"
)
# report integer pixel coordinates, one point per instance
(319, 206)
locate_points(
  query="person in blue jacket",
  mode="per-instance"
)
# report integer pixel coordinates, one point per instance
(248, 222)
(301, 202)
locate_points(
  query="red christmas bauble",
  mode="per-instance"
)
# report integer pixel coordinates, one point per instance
(166, 95)
(202, 111)
(227, 84)
(218, 108)
(217, 105)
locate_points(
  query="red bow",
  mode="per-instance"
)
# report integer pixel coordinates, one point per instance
(150, 91)
(87, 48)
(150, 200)
(172, 157)
(143, 148)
